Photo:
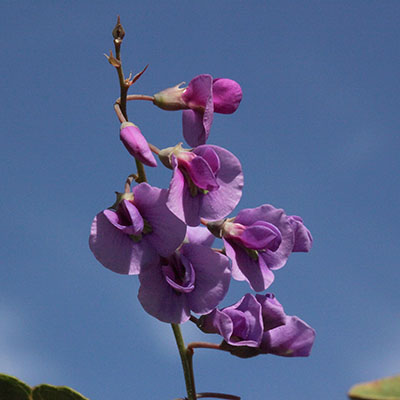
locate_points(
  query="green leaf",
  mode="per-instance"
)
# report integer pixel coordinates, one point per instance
(382, 389)
(49, 392)
(13, 389)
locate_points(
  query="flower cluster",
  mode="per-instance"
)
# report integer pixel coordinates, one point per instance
(258, 325)
(157, 234)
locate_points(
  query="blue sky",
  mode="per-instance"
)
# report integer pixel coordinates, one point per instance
(317, 133)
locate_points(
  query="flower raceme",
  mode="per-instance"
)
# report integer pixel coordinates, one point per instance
(260, 240)
(207, 182)
(199, 100)
(140, 229)
(155, 233)
(258, 325)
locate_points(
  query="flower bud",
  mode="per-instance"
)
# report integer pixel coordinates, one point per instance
(136, 144)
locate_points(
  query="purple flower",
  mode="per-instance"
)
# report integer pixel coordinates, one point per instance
(260, 240)
(136, 144)
(200, 99)
(207, 182)
(195, 278)
(258, 325)
(141, 228)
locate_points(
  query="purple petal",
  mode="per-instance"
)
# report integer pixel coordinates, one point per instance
(180, 201)
(168, 231)
(303, 238)
(129, 214)
(277, 217)
(187, 284)
(116, 250)
(244, 267)
(159, 299)
(294, 339)
(216, 322)
(199, 235)
(213, 274)
(247, 322)
(193, 128)
(201, 174)
(136, 144)
(198, 92)
(215, 204)
(227, 95)
(272, 311)
(210, 156)
(260, 236)
(219, 203)
(207, 119)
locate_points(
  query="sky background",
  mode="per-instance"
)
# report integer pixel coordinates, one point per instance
(317, 133)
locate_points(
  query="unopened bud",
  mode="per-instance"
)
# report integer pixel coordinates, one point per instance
(136, 144)
(118, 31)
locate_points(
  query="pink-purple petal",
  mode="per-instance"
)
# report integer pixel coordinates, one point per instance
(219, 203)
(216, 322)
(198, 92)
(193, 128)
(116, 250)
(247, 322)
(210, 156)
(127, 214)
(303, 237)
(134, 228)
(201, 174)
(180, 201)
(272, 311)
(268, 213)
(187, 285)
(294, 339)
(213, 274)
(199, 235)
(168, 231)
(259, 237)
(244, 267)
(159, 299)
(227, 95)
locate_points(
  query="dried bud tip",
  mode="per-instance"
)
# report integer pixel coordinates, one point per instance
(118, 31)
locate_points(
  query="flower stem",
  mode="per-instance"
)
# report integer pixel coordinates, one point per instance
(120, 104)
(139, 97)
(186, 358)
(203, 345)
(212, 395)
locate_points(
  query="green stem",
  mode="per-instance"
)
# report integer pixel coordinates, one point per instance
(140, 172)
(186, 362)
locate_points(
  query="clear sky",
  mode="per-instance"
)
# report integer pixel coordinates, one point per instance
(317, 132)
